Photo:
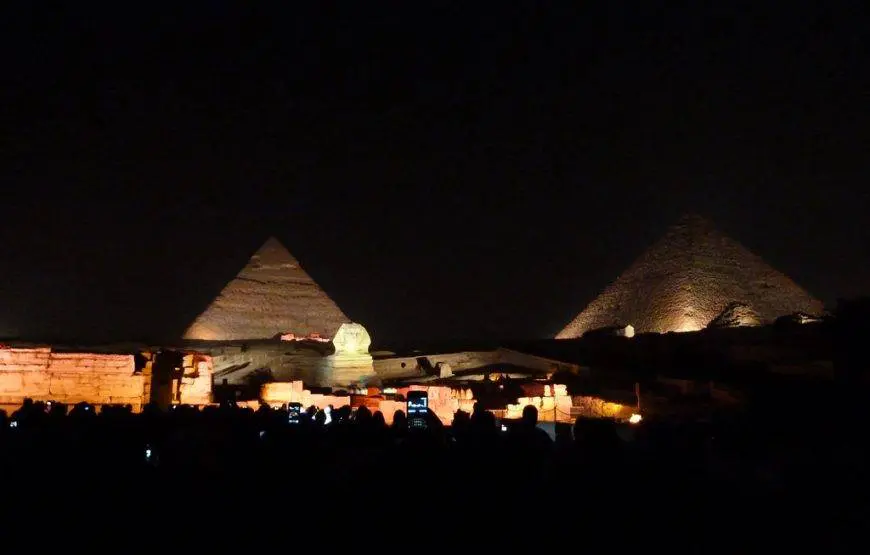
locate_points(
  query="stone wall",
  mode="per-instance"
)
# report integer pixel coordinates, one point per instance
(595, 407)
(279, 393)
(410, 366)
(285, 361)
(553, 406)
(43, 375)
(443, 401)
(196, 381)
(288, 361)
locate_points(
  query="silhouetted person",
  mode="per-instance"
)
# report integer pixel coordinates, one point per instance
(528, 434)
(482, 427)
(378, 420)
(399, 427)
(363, 417)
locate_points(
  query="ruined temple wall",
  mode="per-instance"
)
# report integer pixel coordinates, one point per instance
(285, 363)
(392, 367)
(443, 401)
(516, 358)
(276, 394)
(43, 375)
(196, 382)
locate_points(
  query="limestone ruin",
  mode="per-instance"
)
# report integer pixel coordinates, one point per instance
(688, 278)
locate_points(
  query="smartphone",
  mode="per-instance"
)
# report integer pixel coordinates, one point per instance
(418, 410)
(294, 413)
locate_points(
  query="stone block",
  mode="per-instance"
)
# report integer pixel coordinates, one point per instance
(11, 382)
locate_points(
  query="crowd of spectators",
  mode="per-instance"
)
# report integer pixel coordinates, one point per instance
(715, 480)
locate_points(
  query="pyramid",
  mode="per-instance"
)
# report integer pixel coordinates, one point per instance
(686, 280)
(271, 295)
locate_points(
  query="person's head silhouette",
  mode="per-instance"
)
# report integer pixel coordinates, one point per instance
(400, 420)
(378, 420)
(530, 416)
(363, 416)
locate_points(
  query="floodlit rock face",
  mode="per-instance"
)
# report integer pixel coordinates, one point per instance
(237, 362)
(271, 295)
(43, 375)
(687, 279)
(735, 315)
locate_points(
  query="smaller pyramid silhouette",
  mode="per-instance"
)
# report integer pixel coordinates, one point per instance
(688, 278)
(271, 295)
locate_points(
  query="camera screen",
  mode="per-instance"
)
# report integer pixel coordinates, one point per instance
(294, 413)
(418, 405)
(418, 409)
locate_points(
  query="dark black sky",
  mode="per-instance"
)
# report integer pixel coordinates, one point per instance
(443, 173)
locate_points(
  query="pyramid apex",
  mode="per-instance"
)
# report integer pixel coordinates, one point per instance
(273, 251)
(694, 219)
(272, 242)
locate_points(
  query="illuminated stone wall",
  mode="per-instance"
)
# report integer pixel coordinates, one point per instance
(443, 401)
(279, 393)
(556, 405)
(594, 407)
(688, 278)
(272, 295)
(553, 406)
(196, 382)
(43, 375)
(392, 367)
(287, 361)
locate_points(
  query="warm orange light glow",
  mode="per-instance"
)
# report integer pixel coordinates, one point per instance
(635, 418)
(688, 324)
(555, 406)
(200, 332)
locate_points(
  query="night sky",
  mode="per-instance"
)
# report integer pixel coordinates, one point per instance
(450, 173)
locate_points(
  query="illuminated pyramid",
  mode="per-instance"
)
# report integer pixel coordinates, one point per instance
(686, 280)
(272, 295)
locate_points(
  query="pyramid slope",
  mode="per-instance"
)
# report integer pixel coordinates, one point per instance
(688, 278)
(735, 315)
(271, 295)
